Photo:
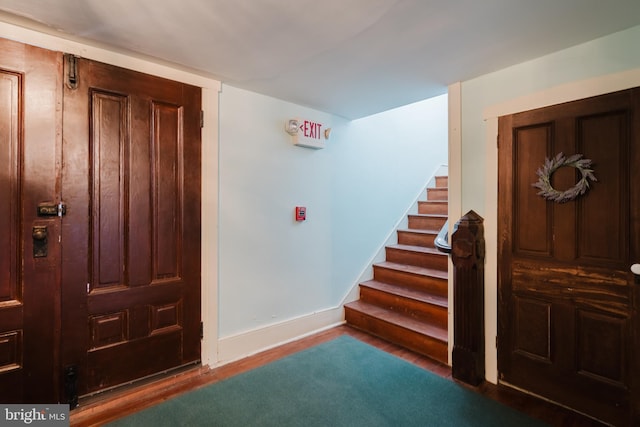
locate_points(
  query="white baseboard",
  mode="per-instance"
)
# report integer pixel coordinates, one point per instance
(248, 343)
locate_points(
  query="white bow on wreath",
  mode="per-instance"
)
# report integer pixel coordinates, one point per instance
(551, 165)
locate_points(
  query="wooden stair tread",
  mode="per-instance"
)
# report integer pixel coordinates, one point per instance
(423, 271)
(410, 293)
(430, 215)
(419, 231)
(421, 249)
(401, 320)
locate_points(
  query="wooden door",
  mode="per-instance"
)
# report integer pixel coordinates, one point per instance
(30, 94)
(131, 234)
(568, 326)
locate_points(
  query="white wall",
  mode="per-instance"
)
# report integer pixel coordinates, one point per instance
(603, 65)
(280, 279)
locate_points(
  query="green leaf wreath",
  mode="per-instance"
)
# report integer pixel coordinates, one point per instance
(551, 165)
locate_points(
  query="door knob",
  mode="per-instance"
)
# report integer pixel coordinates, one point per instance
(39, 234)
(635, 269)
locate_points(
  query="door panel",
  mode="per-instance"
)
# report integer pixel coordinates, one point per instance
(596, 226)
(131, 236)
(30, 95)
(566, 310)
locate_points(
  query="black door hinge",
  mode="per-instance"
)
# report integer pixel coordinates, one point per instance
(201, 119)
(72, 71)
(70, 374)
(201, 330)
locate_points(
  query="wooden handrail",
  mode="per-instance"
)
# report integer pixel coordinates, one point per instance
(442, 239)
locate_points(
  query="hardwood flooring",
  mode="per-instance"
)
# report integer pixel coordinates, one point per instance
(119, 403)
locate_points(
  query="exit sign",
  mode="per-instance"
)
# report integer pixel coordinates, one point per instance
(310, 134)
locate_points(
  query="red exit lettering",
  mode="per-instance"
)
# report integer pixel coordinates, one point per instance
(311, 129)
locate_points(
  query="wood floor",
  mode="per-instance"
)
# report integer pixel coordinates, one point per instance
(120, 403)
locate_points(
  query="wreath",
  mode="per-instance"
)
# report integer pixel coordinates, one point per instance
(551, 165)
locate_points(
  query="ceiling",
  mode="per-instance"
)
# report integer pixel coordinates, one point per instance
(351, 58)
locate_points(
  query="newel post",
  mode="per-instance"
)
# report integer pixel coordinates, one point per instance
(467, 255)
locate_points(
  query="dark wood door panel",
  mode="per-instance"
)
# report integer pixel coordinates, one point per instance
(603, 347)
(134, 149)
(587, 287)
(133, 359)
(603, 234)
(590, 368)
(11, 308)
(11, 87)
(30, 95)
(531, 145)
(532, 328)
(606, 401)
(567, 325)
(109, 157)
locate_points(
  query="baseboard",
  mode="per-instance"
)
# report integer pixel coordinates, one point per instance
(248, 343)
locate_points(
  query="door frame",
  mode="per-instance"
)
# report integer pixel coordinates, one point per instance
(563, 93)
(209, 140)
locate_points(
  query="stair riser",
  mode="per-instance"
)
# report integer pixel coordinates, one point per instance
(437, 194)
(426, 222)
(437, 261)
(433, 285)
(442, 181)
(431, 208)
(425, 345)
(416, 239)
(434, 314)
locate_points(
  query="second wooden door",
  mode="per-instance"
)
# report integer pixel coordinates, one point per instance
(568, 321)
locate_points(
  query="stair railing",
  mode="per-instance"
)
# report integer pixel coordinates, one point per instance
(442, 239)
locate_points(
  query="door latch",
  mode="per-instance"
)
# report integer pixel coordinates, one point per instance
(52, 209)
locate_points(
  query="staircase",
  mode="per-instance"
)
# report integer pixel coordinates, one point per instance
(406, 301)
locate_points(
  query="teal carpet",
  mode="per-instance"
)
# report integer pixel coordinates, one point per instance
(343, 382)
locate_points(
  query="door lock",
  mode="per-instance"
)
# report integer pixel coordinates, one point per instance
(39, 234)
(52, 209)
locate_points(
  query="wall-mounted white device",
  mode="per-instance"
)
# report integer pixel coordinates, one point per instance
(307, 133)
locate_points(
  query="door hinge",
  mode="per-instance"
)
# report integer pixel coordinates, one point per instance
(201, 119)
(201, 330)
(70, 374)
(72, 71)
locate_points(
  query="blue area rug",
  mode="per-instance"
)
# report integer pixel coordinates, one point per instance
(343, 382)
